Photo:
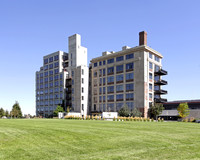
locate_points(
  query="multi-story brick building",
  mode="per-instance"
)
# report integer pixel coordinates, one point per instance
(131, 76)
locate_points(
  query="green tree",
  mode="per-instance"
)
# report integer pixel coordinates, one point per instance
(124, 111)
(2, 112)
(136, 112)
(16, 111)
(155, 109)
(7, 113)
(183, 110)
(58, 109)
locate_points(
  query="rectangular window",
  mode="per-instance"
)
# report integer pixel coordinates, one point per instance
(104, 80)
(110, 61)
(150, 95)
(129, 96)
(45, 61)
(100, 90)
(129, 56)
(56, 71)
(104, 72)
(50, 66)
(119, 97)
(104, 62)
(150, 55)
(110, 98)
(82, 97)
(95, 74)
(157, 59)
(46, 73)
(129, 87)
(82, 71)
(82, 80)
(130, 105)
(120, 78)
(46, 67)
(119, 88)
(129, 66)
(100, 81)
(100, 63)
(120, 68)
(150, 86)
(56, 58)
(110, 79)
(150, 65)
(121, 58)
(150, 76)
(95, 64)
(56, 64)
(157, 68)
(119, 106)
(51, 59)
(41, 75)
(100, 72)
(110, 89)
(110, 70)
(82, 90)
(100, 98)
(129, 76)
(110, 107)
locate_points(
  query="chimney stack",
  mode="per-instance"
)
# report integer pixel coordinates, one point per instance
(142, 38)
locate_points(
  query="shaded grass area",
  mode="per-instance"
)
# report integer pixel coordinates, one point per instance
(80, 139)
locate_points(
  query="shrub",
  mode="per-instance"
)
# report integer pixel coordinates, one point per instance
(96, 117)
(192, 119)
(152, 120)
(148, 119)
(159, 119)
(162, 120)
(103, 118)
(114, 119)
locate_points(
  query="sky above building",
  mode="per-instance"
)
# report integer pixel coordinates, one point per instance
(34, 28)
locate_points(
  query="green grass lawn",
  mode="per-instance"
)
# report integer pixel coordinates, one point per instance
(79, 139)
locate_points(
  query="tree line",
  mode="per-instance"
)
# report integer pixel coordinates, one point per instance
(14, 113)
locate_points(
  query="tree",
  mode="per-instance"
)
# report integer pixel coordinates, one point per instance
(136, 112)
(16, 111)
(124, 111)
(68, 109)
(2, 112)
(155, 109)
(7, 113)
(58, 109)
(183, 110)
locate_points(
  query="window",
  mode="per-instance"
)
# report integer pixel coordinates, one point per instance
(157, 59)
(82, 71)
(110, 98)
(156, 78)
(150, 86)
(46, 67)
(120, 68)
(83, 107)
(119, 97)
(104, 90)
(100, 63)
(82, 80)
(41, 80)
(104, 72)
(121, 58)
(129, 56)
(119, 88)
(50, 72)
(104, 98)
(41, 75)
(46, 85)
(100, 72)
(95, 64)
(119, 106)
(120, 78)
(50, 78)
(104, 80)
(56, 71)
(110, 60)
(82, 90)
(100, 90)
(156, 88)
(82, 97)
(129, 87)
(50, 66)
(46, 73)
(129, 76)
(110, 89)
(56, 77)
(72, 82)
(56, 58)
(150, 95)
(157, 68)
(56, 90)
(129, 66)
(95, 74)
(56, 83)
(56, 64)
(130, 105)
(110, 107)
(110, 79)
(110, 70)
(100, 81)
(129, 96)
(150, 76)
(100, 98)
(104, 62)
(150, 55)
(45, 61)
(150, 65)
(51, 59)
(61, 76)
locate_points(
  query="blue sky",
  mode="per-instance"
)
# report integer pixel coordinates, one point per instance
(31, 29)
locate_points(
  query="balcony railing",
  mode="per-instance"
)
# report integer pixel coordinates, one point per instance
(161, 72)
(160, 100)
(161, 91)
(160, 82)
